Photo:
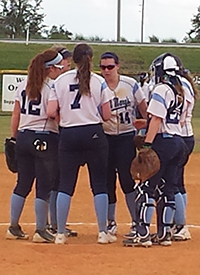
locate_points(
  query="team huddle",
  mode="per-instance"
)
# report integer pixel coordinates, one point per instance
(64, 119)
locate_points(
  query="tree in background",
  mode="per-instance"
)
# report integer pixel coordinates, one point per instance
(169, 40)
(153, 39)
(95, 38)
(194, 33)
(18, 15)
(58, 32)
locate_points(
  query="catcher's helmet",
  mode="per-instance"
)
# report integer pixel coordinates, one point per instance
(182, 69)
(164, 64)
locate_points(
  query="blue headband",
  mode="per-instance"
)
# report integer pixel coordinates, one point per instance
(110, 55)
(54, 61)
(65, 53)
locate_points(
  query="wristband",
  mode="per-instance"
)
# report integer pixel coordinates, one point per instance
(147, 145)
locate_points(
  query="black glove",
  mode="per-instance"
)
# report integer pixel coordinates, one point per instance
(11, 162)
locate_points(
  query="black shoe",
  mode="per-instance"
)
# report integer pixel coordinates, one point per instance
(15, 232)
(181, 233)
(166, 240)
(138, 242)
(154, 238)
(68, 232)
(43, 236)
(52, 230)
(133, 232)
(112, 227)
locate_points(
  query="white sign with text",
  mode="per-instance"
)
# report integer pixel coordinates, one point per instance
(10, 83)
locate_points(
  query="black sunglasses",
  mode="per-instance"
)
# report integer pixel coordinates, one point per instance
(109, 67)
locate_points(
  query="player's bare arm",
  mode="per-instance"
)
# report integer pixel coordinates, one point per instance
(106, 111)
(52, 109)
(140, 123)
(153, 129)
(143, 108)
(15, 119)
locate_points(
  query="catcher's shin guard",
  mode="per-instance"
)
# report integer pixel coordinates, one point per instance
(165, 210)
(144, 212)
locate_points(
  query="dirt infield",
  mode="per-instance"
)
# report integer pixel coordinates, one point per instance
(82, 255)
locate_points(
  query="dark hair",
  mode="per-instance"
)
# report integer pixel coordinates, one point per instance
(174, 80)
(37, 73)
(142, 77)
(82, 56)
(110, 55)
(62, 50)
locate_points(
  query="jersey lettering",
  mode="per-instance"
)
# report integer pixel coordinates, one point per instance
(75, 88)
(117, 103)
(33, 105)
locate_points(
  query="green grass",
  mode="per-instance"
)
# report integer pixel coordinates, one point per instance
(133, 59)
(196, 112)
(196, 127)
(5, 130)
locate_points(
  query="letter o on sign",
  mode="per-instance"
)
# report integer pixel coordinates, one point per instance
(11, 87)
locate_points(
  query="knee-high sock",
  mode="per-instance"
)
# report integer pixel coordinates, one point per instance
(62, 205)
(41, 211)
(52, 208)
(179, 216)
(101, 208)
(185, 198)
(17, 204)
(111, 211)
(130, 201)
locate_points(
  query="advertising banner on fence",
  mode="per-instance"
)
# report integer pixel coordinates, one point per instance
(10, 83)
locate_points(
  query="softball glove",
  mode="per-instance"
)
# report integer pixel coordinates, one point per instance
(145, 165)
(10, 155)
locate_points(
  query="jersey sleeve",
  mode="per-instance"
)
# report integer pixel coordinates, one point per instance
(189, 94)
(138, 93)
(106, 94)
(52, 93)
(159, 102)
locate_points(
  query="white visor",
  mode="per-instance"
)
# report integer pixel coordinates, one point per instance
(54, 61)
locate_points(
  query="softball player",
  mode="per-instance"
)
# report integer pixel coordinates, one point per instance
(36, 144)
(120, 131)
(144, 84)
(67, 56)
(82, 98)
(180, 231)
(164, 136)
